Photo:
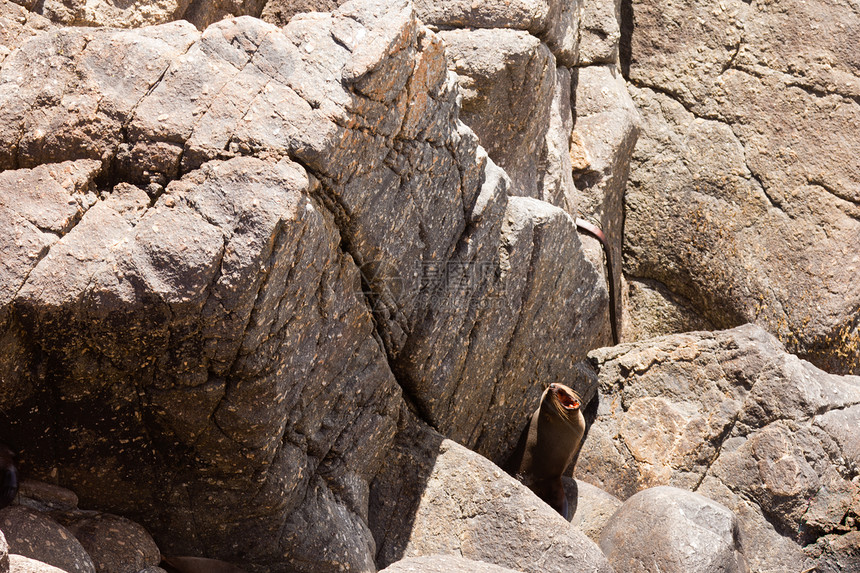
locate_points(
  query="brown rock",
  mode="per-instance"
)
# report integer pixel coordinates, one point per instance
(730, 415)
(115, 544)
(48, 495)
(674, 531)
(453, 501)
(744, 155)
(16, 25)
(34, 535)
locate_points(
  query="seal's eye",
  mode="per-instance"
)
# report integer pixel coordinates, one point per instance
(566, 400)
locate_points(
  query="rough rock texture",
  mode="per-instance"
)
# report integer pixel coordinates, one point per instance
(279, 12)
(651, 309)
(4, 554)
(16, 25)
(34, 535)
(507, 78)
(462, 504)
(21, 564)
(732, 416)
(556, 22)
(745, 155)
(223, 248)
(591, 507)
(673, 531)
(115, 544)
(600, 32)
(606, 128)
(443, 564)
(115, 13)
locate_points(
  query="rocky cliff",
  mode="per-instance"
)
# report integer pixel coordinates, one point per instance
(283, 281)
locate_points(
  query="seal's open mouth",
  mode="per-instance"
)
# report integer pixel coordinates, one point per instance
(564, 398)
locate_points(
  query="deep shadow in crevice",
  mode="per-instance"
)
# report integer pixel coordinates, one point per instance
(625, 49)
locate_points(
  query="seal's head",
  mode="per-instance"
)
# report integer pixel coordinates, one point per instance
(565, 402)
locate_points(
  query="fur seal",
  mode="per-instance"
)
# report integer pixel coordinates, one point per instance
(548, 445)
(8, 476)
(595, 232)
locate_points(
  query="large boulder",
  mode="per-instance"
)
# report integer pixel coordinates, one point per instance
(732, 416)
(455, 502)
(231, 250)
(673, 531)
(32, 534)
(744, 156)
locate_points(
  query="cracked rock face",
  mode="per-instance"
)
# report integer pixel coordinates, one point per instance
(231, 251)
(745, 168)
(732, 416)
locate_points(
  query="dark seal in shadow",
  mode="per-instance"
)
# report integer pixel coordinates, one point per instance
(549, 444)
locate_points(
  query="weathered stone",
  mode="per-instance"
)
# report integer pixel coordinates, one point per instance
(674, 531)
(556, 22)
(555, 179)
(743, 154)
(453, 501)
(32, 534)
(115, 544)
(114, 13)
(732, 416)
(203, 13)
(443, 564)
(280, 12)
(591, 506)
(202, 327)
(607, 126)
(21, 564)
(600, 32)
(507, 79)
(16, 25)
(650, 309)
(46, 496)
(4, 554)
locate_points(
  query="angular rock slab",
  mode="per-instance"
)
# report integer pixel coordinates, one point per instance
(453, 501)
(362, 98)
(744, 153)
(507, 78)
(216, 336)
(556, 22)
(675, 531)
(734, 417)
